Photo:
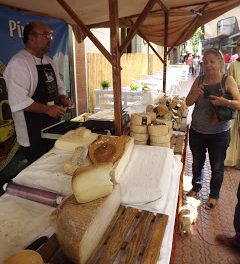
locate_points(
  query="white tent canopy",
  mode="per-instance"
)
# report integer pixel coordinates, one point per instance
(184, 16)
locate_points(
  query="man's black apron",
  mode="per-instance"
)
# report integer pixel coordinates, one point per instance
(46, 93)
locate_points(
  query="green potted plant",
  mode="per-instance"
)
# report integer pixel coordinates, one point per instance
(144, 87)
(105, 84)
(133, 87)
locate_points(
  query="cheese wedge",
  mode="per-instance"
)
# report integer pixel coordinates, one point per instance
(92, 182)
(120, 165)
(80, 227)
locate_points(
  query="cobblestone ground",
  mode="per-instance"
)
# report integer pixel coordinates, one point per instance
(201, 247)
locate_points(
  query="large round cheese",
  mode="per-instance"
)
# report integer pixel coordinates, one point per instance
(24, 257)
(80, 227)
(107, 148)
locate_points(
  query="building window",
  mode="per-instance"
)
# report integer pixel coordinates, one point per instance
(227, 26)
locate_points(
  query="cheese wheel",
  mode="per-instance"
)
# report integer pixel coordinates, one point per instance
(92, 182)
(160, 139)
(166, 145)
(149, 108)
(162, 109)
(24, 257)
(167, 122)
(80, 227)
(139, 129)
(158, 129)
(136, 142)
(107, 149)
(139, 137)
(153, 116)
(140, 119)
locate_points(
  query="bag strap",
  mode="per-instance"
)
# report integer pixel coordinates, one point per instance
(223, 83)
(201, 77)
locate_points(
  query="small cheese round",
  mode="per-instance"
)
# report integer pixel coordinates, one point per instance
(160, 139)
(139, 137)
(158, 130)
(24, 257)
(139, 129)
(140, 119)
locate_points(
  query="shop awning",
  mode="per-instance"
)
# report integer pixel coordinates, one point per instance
(183, 16)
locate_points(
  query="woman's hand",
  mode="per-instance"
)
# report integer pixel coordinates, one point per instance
(218, 100)
(196, 91)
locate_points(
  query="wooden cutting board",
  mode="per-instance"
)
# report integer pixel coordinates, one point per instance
(132, 237)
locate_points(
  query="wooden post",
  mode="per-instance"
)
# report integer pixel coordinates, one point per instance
(165, 50)
(116, 68)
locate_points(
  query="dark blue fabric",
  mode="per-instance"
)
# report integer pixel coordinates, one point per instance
(216, 145)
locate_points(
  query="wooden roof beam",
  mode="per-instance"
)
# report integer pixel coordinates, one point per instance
(189, 26)
(85, 29)
(137, 24)
(151, 46)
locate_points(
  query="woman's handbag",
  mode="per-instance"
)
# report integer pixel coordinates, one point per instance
(225, 113)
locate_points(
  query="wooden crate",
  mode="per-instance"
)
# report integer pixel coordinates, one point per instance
(132, 237)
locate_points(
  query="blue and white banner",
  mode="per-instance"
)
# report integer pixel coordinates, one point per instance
(12, 23)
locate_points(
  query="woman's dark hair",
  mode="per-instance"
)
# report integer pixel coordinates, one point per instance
(28, 29)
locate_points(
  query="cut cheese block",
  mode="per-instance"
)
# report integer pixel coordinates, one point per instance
(120, 165)
(139, 137)
(75, 138)
(160, 139)
(69, 167)
(24, 257)
(78, 159)
(80, 227)
(139, 119)
(92, 182)
(139, 129)
(158, 129)
(107, 149)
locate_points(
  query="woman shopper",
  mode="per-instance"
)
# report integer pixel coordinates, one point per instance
(207, 133)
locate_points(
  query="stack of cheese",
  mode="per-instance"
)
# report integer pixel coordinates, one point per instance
(82, 218)
(138, 128)
(160, 134)
(170, 109)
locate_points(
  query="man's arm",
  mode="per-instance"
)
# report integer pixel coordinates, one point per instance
(51, 110)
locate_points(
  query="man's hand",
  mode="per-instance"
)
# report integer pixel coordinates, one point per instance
(55, 111)
(66, 102)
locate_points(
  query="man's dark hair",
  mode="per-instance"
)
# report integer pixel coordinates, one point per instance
(28, 29)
